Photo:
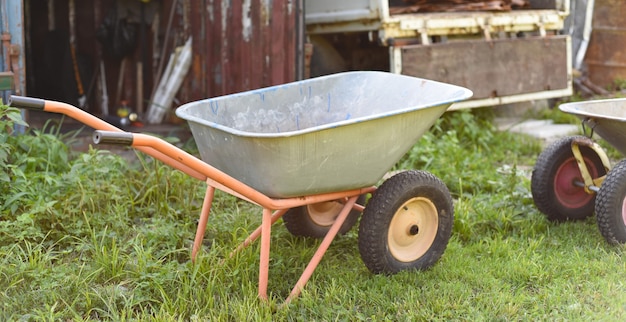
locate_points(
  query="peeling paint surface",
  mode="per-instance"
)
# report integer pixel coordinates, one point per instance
(225, 6)
(246, 20)
(243, 45)
(210, 7)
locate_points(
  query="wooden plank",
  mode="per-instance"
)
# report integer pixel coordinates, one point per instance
(415, 6)
(241, 45)
(492, 68)
(290, 46)
(256, 69)
(277, 51)
(201, 50)
(238, 47)
(226, 43)
(266, 36)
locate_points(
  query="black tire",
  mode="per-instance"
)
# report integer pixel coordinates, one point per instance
(407, 223)
(552, 181)
(315, 220)
(611, 205)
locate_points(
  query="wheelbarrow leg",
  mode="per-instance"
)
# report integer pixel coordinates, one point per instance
(321, 250)
(264, 262)
(257, 232)
(204, 217)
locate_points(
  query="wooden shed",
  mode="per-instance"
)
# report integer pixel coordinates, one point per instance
(109, 51)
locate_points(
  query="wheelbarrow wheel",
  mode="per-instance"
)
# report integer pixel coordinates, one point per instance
(407, 223)
(610, 205)
(553, 181)
(315, 220)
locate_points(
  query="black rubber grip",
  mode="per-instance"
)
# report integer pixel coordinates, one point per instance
(110, 137)
(27, 102)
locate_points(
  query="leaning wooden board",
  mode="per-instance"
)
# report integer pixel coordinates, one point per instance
(492, 68)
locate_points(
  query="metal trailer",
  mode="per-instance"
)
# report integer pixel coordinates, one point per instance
(502, 56)
(573, 177)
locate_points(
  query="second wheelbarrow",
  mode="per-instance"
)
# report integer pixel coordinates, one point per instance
(573, 178)
(310, 151)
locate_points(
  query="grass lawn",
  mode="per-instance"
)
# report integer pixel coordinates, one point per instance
(90, 236)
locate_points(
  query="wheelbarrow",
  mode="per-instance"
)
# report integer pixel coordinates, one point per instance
(573, 177)
(310, 152)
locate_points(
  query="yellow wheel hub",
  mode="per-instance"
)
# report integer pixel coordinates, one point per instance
(324, 213)
(413, 229)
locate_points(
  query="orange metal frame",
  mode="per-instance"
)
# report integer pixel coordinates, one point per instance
(273, 209)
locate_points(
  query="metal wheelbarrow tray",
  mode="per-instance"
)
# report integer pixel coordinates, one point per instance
(309, 152)
(330, 133)
(573, 178)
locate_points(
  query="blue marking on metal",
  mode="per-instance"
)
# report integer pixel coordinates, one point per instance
(328, 103)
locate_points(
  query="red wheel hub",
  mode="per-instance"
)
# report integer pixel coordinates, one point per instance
(567, 193)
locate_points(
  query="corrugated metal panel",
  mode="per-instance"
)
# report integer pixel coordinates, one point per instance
(243, 45)
(238, 45)
(606, 56)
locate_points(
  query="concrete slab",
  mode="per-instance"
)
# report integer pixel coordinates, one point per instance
(545, 130)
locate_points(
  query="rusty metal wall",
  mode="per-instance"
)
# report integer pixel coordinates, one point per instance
(238, 45)
(242, 45)
(606, 55)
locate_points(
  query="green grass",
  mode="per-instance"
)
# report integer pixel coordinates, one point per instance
(89, 236)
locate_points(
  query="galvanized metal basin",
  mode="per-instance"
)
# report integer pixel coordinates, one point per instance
(325, 134)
